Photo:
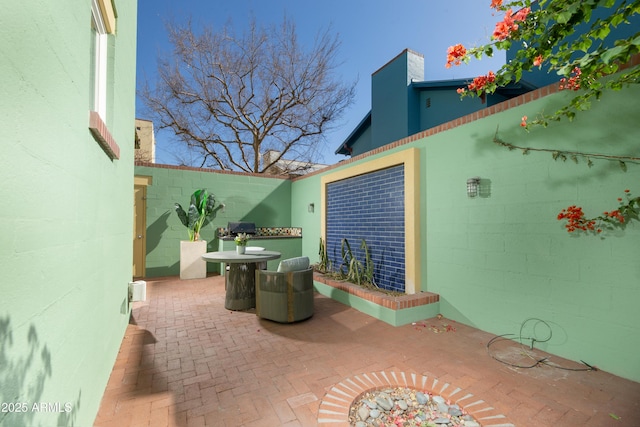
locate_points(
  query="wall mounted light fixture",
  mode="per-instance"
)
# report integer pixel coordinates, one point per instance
(473, 185)
(310, 208)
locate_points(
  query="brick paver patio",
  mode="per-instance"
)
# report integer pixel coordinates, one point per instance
(187, 361)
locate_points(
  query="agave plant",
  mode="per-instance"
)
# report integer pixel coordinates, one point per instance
(356, 272)
(201, 209)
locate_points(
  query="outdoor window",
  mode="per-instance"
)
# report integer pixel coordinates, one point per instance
(103, 22)
(98, 61)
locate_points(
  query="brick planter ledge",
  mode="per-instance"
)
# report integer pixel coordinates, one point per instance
(394, 310)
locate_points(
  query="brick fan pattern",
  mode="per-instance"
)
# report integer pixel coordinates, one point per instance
(334, 408)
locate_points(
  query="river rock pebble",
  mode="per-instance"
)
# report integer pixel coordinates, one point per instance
(384, 401)
(407, 407)
(422, 398)
(363, 412)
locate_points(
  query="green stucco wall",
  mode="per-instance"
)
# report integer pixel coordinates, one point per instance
(65, 226)
(266, 201)
(502, 258)
(304, 192)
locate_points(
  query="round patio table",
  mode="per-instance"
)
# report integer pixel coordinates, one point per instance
(241, 286)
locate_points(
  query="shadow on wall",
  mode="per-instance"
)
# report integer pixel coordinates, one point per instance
(261, 215)
(264, 216)
(450, 311)
(607, 128)
(170, 270)
(484, 188)
(268, 212)
(23, 374)
(155, 230)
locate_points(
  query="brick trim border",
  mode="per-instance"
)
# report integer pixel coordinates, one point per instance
(388, 301)
(477, 115)
(334, 407)
(208, 170)
(101, 134)
(480, 114)
(485, 112)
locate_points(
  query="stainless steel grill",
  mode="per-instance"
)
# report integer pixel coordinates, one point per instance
(241, 227)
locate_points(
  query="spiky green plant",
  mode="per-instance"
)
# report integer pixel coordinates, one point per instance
(368, 270)
(352, 269)
(324, 265)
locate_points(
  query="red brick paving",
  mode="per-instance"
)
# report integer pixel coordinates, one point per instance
(187, 361)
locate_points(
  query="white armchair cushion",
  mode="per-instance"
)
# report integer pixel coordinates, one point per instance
(293, 264)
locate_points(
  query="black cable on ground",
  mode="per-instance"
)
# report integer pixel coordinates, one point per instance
(533, 340)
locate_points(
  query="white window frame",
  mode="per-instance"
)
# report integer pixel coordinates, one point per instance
(100, 61)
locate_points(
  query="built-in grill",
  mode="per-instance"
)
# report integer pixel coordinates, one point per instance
(241, 227)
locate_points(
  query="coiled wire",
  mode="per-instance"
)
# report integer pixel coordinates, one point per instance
(533, 340)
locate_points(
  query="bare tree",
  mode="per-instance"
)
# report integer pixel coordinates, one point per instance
(232, 98)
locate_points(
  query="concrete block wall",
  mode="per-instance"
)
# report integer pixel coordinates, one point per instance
(264, 200)
(65, 229)
(502, 258)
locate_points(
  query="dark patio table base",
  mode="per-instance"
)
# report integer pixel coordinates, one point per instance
(241, 290)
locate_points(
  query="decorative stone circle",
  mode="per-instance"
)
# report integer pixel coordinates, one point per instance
(336, 404)
(394, 406)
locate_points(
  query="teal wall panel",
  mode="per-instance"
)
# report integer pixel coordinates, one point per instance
(363, 143)
(393, 104)
(437, 106)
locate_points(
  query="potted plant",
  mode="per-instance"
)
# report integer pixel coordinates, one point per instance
(241, 242)
(201, 210)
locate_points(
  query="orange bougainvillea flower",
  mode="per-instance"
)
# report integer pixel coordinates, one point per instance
(537, 62)
(522, 14)
(504, 28)
(576, 220)
(523, 123)
(508, 25)
(455, 55)
(495, 4)
(573, 82)
(479, 83)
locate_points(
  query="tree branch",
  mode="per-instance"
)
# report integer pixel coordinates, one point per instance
(566, 154)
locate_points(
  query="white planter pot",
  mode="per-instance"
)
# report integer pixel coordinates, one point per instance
(240, 249)
(192, 266)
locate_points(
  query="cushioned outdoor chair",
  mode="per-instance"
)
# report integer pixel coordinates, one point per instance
(285, 295)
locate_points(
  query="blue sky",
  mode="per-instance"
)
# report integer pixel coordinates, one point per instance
(371, 33)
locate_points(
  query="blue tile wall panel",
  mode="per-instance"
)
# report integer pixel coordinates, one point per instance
(370, 207)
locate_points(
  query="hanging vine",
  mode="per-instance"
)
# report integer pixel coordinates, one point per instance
(565, 155)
